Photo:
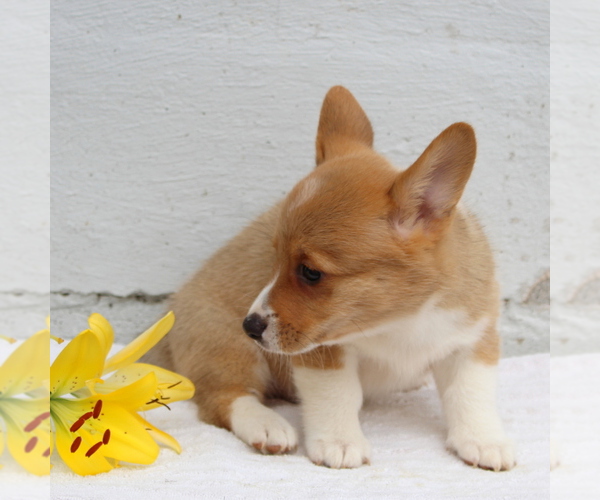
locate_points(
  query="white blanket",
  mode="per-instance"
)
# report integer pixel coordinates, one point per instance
(409, 459)
(575, 414)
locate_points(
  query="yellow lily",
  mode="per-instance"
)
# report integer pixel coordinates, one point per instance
(97, 424)
(23, 377)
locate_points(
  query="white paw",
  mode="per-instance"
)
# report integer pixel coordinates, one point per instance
(339, 453)
(261, 427)
(493, 454)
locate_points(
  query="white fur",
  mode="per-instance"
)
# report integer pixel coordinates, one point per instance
(261, 306)
(261, 303)
(331, 400)
(261, 427)
(468, 391)
(398, 354)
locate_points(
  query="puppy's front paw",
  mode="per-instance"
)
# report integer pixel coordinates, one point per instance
(493, 454)
(261, 427)
(339, 453)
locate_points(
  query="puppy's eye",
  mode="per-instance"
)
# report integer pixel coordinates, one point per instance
(310, 276)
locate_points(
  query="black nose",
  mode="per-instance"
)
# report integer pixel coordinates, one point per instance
(254, 325)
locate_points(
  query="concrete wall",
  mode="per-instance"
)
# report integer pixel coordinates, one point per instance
(575, 154)
(24, 166)
(175, 123)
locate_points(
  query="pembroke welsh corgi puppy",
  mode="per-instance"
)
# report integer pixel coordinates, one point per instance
(361, 281)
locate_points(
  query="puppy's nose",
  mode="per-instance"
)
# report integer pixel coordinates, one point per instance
(254, 325)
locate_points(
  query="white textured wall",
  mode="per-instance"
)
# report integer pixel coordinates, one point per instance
(175, 123)
(24, 166)
(575, 193)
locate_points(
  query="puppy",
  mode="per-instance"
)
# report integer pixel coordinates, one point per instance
(361, 281)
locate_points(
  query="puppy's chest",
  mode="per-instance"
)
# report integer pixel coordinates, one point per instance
(397, 355)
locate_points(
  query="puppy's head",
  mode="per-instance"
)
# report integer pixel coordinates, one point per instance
(359, 242)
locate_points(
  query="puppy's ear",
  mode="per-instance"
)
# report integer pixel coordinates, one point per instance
(343, 125)
(424, 196)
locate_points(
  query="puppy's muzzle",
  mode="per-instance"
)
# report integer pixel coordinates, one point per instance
(254, 325)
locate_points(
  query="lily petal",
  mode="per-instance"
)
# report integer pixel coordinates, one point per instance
(28, 436)
(97, 426)
(27, 367)
(129, 438)
(133, 396)
(79, 361)
(80, 464)
(103, 330)
(160, 436)
(141, 345)
(113, 433)
(172, 387)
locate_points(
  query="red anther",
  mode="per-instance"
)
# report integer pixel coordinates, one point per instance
(87, 415)
(93, 449)
(31, 425)
(36, 421)
(31, 444)
(46, 453)
(76, 444)
(97, 408)
(78, 423)
(106, 437)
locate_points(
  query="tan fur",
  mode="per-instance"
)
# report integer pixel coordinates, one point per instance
(383, 239)
(207, 343)
(487, 350)
(322, 357)
(343, 126)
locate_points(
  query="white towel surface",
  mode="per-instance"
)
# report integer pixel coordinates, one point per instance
(409, 459)
(576, 426)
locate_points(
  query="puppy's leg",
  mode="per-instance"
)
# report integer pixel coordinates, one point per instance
(231, 377)
(331, 396)
(261, 427)
(466, 381)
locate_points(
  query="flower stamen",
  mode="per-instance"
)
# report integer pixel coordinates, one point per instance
(76, 444)
(36, 421)
(97, 408)
(93, 449)
(84, 424)
(31, 444)
(80, 421)
(155, 400)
